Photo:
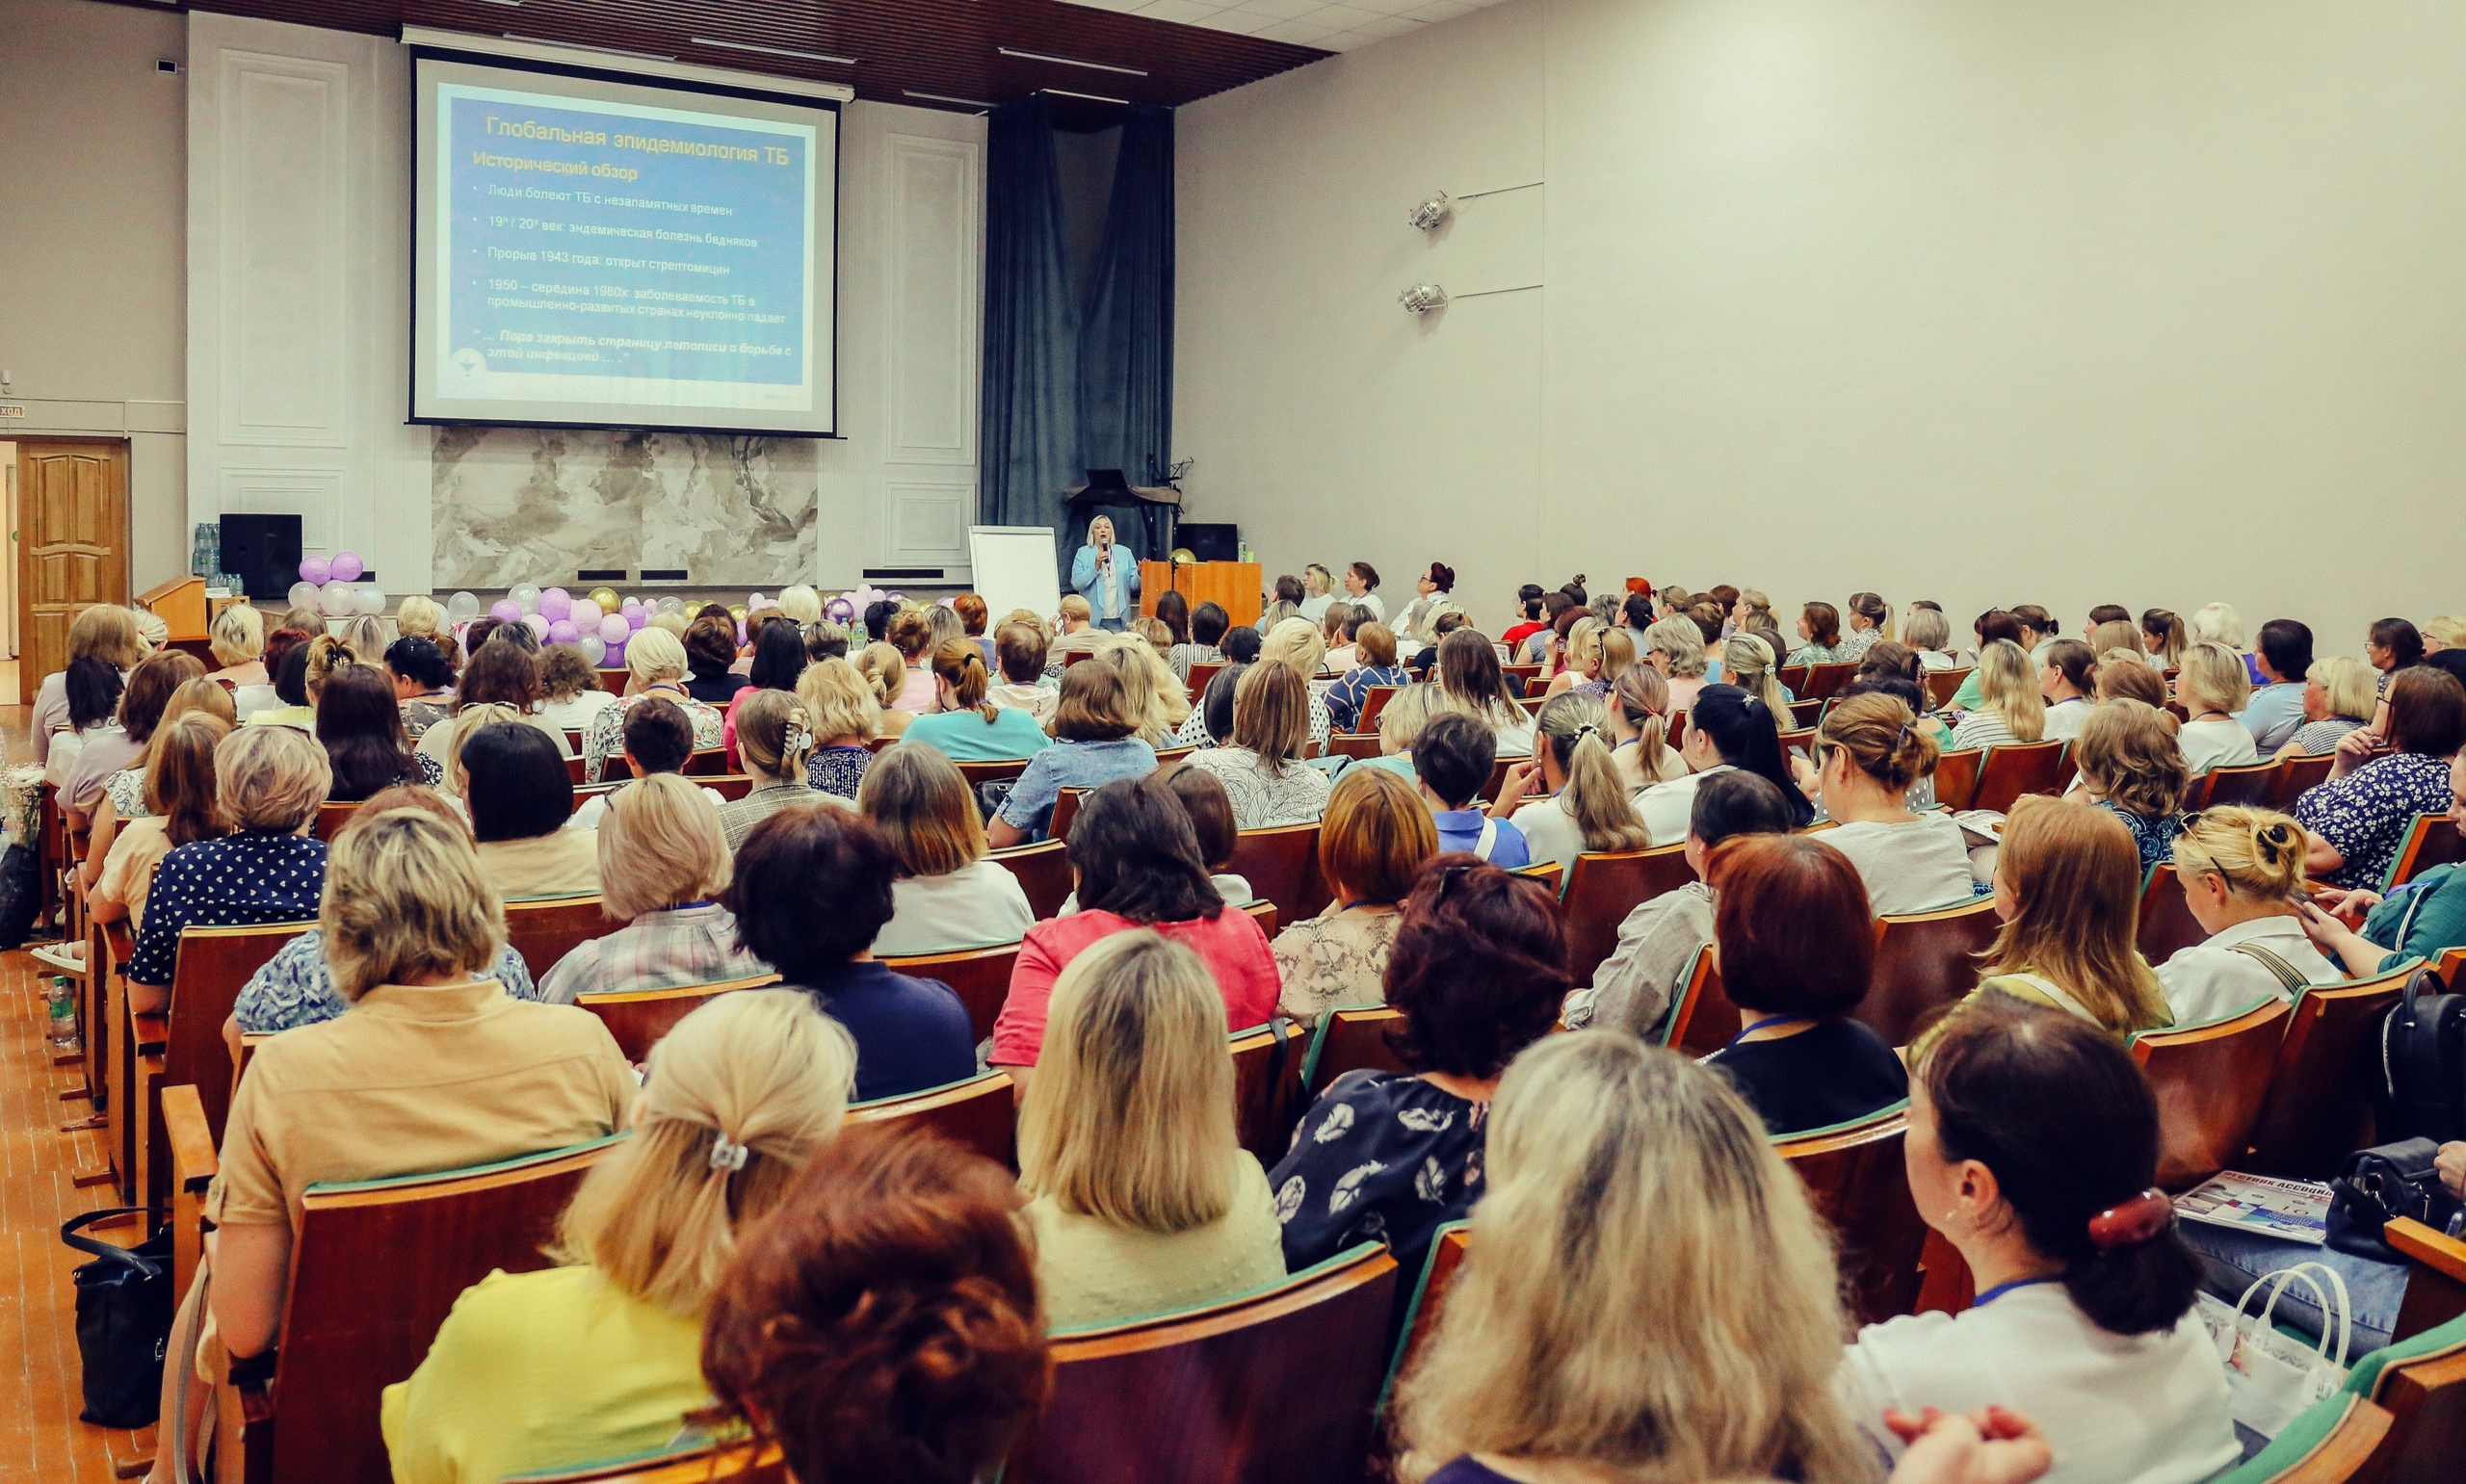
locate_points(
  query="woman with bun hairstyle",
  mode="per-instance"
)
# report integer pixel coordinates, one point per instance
(2163, 639)
(601, 1358)
(1436, 589)
(1586, 804)
(2032, 1149)
(2067, 886)
(2067, 676)
(962, 726)
(2241, 874)
(1870, 619)
(1727, 728)
(910, 631)
(1873, 752)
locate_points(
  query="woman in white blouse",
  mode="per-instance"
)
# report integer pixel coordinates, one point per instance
(1872, 752)
(1927, 631)
(1587, 806)
(1637, 712)
(1261, 768)
(947, 896)
(2010, 709)
(2032, 1149)
(2213, 686)
(1471, 682)
(2242, 873)
(2064, 683)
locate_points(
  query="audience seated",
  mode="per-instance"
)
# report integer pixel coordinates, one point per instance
(1926, 632)
(1636, 714)
(1149, 691)
(1992, 625)
(1210, 722)
(2130, 677)
(1435, 597)
(2117, 635)
(295, 987)
(1453, 757)
(92, 690)
(2339, 695)
(2067, 887)
(842, 713)
(2065, 678)
(108, 752)
(1211, 811)
(1138, 865)
(1584, 657)
(104, 633)
(965, 724)
(423, 684)
(1675, 647)
(1242, 644)
(1747, 662)
(1624, 1181)
(570, 695)
(710, 662)
(2129, 764)
(2359, 818)
(1819, 636)
(657, 663)
(1586, 804)
(1636, 987)
(778, 659)
(1874, 753)
(775, 742)
(2032, 1150)
(1297, 645)
(359, 723)
(179, 809)
(910, 631)
(1142, 1199)
(1791, 924)
(2419, 920)
(1336, 629)
(2010, 707)
(237, 641)
(123, 793)
(662, 864)
(885, 1325)
(1375, 648)
(1870, 622)
(1471, 683)
(2213, 686)
(2242, 873)
(1530, 601)
(1020, 650)
(1095, 744)
(946, 894)
(2163, 638)
(601, 1358)
(1727, 729)
(1078, 634)
(1478, 967)
(658, 738)
(1372, 843)
(520, 799)
(1261, 765)
(2275, 711)
(268, 784)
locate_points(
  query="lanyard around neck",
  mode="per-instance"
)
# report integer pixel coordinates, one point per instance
(2002, 1289)
(1766, 1021)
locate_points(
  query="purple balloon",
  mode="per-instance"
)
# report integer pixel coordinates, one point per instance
(347, 566)
(537, 625)
(741, 635)
(562, 631)
(316, 569)
(555, 602)
(636, 617)
(611, 657)
(506, 611)
(615, 630)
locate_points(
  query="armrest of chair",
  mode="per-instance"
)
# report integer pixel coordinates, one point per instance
(193, 1167)
(2435, 1277)
(118, 941)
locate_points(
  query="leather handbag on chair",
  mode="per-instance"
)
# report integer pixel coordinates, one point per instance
(124, 1305)
(2375, 1187)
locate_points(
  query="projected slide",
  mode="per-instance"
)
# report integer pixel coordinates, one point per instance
(601, 252)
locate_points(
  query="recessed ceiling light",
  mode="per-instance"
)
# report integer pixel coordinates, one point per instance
(749, 47)
(585, 46)
(943, 97)
(1070, 61)
(1064, 93)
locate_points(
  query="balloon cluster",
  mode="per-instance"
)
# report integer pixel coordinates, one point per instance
(332, 588)
(600, 623)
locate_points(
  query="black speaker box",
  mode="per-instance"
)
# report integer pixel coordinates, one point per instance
(262, 551)
(1210, 542)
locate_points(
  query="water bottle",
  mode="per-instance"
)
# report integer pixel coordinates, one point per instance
(63, 1011)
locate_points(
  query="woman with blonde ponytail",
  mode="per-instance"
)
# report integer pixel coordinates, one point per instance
(964, 724)
(1873, 751)
(1636, 714)
(1747, 662)
(602, 1358)
(1589, 804)
(2241, 874)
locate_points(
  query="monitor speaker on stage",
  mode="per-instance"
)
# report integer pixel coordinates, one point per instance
(1210, 542)
(262, 551)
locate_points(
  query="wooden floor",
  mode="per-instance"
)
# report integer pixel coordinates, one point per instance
(41, 1438)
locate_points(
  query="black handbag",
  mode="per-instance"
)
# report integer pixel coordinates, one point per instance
(124, 1305)
(2375, 1187)
(21, 896)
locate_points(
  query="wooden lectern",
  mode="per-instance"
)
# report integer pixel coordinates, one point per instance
(1232, 586)
(186, 612)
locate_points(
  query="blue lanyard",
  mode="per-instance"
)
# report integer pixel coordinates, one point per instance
(1769, 1020)
(684, 905)
(2002, 1289)
(1364, 902)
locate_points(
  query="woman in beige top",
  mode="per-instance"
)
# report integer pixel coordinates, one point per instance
(1142, 1197)
(1372, 840)
(521, 796)
(179, 801)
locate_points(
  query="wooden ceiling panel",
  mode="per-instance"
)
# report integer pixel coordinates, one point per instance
(949, 50)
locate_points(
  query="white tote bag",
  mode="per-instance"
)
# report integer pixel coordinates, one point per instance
(2273, 1377)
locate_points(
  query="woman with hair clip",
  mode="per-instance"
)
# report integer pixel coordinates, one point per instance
(1728, 728)
(2067, 887)
(2010, 707)
(601, 1357)
(774, 739)
(1142, 1200)
(1872, 752)
(1261, 765)
(1634, 715)
(1586, 804)
(1870, 619)
(1436, 596)
(2163, 639)
(2242, 873)
(2032, 1149)
(962, 724)
(1471, 682)
(1747, 662)
(1534, 1372)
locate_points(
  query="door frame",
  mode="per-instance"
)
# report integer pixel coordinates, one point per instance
(28, 682)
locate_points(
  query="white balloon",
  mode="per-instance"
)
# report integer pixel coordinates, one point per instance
(669, 606)
(304, 594)
(586, 614)
(526, 594)
(462, 607)
(592, 648)
(372, 599)
(336, 600)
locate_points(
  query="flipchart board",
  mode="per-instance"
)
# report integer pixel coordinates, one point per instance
(1013, 567)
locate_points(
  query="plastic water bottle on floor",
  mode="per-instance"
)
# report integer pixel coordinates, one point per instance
(63, 1010)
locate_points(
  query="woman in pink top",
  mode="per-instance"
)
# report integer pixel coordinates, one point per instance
(1138, 865)
(911, 633)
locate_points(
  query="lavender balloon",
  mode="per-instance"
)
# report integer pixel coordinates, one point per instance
(636, 617)
(316, 570)
(585, 615)
(555, 604)
(347, 566)
(562, 631)
(506, 611)
(615, 630)
(538, 626)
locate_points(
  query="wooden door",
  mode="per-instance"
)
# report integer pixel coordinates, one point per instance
(72, 544)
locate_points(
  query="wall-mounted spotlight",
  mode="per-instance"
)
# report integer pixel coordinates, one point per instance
(1423, 297)
(1430, 214)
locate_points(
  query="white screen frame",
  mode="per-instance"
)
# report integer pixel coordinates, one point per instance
(809, 411)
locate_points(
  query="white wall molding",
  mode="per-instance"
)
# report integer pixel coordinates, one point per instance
(283, 364)
(932, 193)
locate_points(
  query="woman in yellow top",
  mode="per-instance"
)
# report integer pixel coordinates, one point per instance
(1142, 1198)
(602, 1358)
(2067, 886)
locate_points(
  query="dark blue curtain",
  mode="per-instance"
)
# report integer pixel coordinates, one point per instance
(1126, 338)
(1028, 416)
(1069, 388)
